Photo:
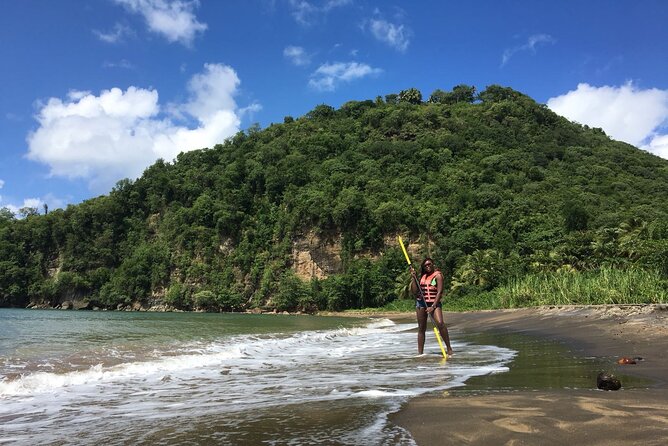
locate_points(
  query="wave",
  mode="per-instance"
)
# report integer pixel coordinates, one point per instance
(238, 380)
(214, 354)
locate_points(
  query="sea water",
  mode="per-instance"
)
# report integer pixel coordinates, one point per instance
(190, 378)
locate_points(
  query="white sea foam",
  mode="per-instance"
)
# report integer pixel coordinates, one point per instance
(240, 375)
(40, 382)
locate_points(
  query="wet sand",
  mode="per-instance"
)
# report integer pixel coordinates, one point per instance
(571, 416)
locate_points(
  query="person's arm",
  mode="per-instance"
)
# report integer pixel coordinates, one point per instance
(414, 290)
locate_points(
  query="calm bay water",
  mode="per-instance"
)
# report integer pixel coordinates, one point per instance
(189, 378)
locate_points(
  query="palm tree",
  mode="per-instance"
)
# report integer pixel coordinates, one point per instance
(481, 268)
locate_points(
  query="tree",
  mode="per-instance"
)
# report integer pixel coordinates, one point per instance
(481, 268)
(463, 93)
(6, 216)
(575, 216)
(321, 111)
(439, 96)
(391, 98)
(412, 96)
(460, 93)
(497, 93)
(28, 211)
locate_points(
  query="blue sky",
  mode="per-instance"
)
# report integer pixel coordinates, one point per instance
(92, 92)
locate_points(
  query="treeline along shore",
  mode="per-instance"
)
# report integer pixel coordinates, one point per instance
(517, 205)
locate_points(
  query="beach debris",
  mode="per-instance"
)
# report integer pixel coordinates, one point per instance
(626, 360)
(608, 381)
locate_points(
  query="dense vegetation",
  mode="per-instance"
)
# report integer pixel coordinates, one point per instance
(513, 201)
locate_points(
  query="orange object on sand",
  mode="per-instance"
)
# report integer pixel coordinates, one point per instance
(625, 360)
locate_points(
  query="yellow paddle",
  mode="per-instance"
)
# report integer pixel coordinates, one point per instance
(421, 297)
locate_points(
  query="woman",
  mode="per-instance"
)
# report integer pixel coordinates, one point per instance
(429, 301)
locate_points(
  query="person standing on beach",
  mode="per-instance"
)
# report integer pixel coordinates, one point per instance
(431, 283)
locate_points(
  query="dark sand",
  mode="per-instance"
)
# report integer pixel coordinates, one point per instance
(563, 416)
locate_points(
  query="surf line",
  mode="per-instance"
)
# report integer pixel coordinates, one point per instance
(421, 298)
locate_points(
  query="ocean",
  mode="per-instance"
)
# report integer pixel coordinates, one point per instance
(116, 378)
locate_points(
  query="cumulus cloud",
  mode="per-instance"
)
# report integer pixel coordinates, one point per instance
(658, 145)
(173, 19)
(397, 36)
(306, 13)
(116, 35)
(328, 76)
(118, 133)
(32, 203)
(626, 113)
(49, 199)
(296, 55)
(530, 45)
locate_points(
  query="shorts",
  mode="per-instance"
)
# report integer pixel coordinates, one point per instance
(423, 304)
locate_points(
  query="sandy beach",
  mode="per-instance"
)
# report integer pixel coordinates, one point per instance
(572, 416)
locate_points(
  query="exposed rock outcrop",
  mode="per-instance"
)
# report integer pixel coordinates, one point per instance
(315, 256)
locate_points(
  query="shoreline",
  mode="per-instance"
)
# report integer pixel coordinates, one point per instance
(558, 416)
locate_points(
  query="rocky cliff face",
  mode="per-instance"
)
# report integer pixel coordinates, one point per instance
(315, 256)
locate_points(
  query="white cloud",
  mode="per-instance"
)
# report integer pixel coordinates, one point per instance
(249, 110)
(303, 11)
(13, 117)
(331, 4)
(306, 14)
(2, 184)
(119, 133)
(296, 55)
(119, 32)
(396, 36)
(123, 63)
(34, 203)
(626, 113)
(212, 91)
(173, 19)
(49, 199)
(658, 146)
(531, 44)
(328, 76)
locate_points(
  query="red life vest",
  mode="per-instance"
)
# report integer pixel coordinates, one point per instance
(429, 286)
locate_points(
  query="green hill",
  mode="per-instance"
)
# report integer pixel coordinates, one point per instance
(516, 204)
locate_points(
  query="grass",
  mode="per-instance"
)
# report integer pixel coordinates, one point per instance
(604, 286)
(600, 287)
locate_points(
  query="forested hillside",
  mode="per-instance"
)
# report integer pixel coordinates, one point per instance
(512, 201)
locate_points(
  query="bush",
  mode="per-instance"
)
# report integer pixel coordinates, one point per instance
(176, 295)
(230, 300)
(292, 294)
(205, 299)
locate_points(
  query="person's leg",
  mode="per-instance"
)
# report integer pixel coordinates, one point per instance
(421, 314)
(438, 317)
